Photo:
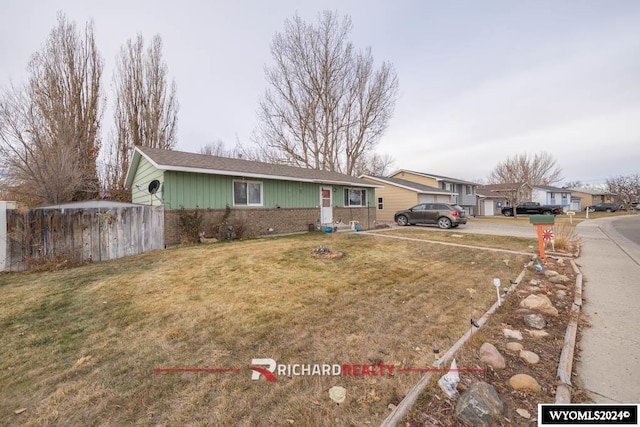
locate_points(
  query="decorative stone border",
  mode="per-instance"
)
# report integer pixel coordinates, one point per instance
(563, 390)
(400, 411)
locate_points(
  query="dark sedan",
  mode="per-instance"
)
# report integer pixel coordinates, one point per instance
(604, 207)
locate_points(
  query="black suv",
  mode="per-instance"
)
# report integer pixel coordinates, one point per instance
(443, 214)
(603, 207)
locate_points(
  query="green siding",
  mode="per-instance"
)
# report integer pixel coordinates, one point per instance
(338, 196)
(191, 190)
(145, 173)
(197, 190)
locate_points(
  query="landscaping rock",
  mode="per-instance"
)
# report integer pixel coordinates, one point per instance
(490, 355)
(523, 413)
(560, 279)
(530, 357)
(338, 394)
(516, 335)
(515, 347)
(533, 289)
(524, 382)
(535, 320)
(538, 334)
(561, 295)
(523, 311)
(534, 282)
(560, 286)
(480, 405)
(539, 303)
(551, 273)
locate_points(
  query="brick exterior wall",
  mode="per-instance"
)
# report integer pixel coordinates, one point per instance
(366, 216)
(261, 222)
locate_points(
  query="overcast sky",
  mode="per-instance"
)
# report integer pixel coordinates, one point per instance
(479, 80)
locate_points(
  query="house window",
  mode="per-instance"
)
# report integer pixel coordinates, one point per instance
(380, 203)
(247, 193)
(447, 186)
(564, 196)
(468, 190)
(355, 197)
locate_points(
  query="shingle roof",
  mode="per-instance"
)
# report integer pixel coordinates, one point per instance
(203, 163)
(552, 189)
(426, 189)
(501, 187)
(591, 191)
(90, 204)
(498, 190)
(437, 177)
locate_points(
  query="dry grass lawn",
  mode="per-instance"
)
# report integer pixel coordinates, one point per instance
(79, 346)
(518, 244)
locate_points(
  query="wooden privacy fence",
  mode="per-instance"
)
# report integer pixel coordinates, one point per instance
(79, 234)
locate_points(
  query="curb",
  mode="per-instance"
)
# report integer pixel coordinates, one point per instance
(563, 390)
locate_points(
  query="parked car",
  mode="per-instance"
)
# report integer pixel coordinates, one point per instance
(532, 208)
(603, 207)
(443, 214)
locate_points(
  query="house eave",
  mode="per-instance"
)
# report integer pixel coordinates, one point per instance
(442, 193)
(437, 178)
(138, 153)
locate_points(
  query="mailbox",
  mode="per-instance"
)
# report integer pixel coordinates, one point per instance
(542, 219)
(539, 221)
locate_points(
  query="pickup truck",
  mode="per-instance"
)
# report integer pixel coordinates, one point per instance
(532, 208)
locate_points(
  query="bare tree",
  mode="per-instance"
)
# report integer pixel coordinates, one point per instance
(626, 188)
(517, 173)
(573, 184)
(327, 105)
(146, 110)
(49, 129)
(374, 164)
(539, 169)
(218, 148)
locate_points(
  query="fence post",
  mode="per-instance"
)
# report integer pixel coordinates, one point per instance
(4, 239)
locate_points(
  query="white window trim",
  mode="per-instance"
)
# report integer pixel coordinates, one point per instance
(233, 192)
(366, 196)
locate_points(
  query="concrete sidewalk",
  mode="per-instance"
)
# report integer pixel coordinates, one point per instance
(609, 364)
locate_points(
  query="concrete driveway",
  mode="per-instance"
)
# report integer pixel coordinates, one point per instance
(500, 228)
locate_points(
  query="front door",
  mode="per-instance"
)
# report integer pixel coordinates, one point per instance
(431, 213)
(326, 208)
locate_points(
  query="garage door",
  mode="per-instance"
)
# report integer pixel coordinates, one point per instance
(425, 198)
(443, 199)
(488, 208)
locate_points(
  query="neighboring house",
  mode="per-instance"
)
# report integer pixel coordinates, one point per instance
(264, 198)
(493, 197)
(589, 196)
(554, 196)
(464, 192)
(397, 194)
